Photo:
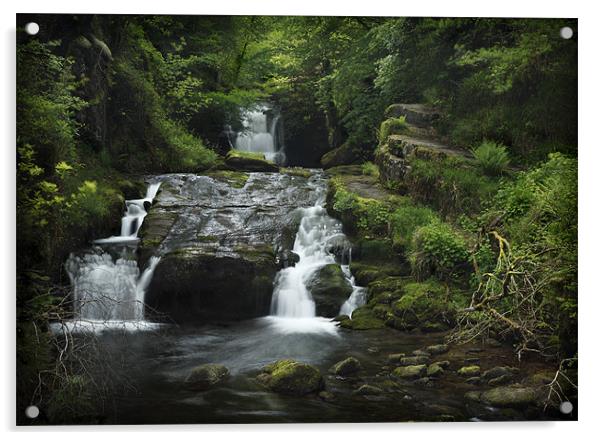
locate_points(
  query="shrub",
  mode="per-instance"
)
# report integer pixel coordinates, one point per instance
(370, 169)
(392, 126)
(405, 220)
(491, 157)
(438, 250)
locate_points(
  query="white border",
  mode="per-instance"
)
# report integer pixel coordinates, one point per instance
(590, 161)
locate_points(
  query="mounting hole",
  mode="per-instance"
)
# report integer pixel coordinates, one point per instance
(32, 411)
(32, 28)
(566, 407)
(566, 33)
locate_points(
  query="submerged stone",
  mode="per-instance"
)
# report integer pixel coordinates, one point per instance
(346, 367)
(206, 376)
(410, 372)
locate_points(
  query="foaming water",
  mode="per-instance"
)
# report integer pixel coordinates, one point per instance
(284, 325)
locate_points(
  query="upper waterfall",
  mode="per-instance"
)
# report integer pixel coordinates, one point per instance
(262, 133)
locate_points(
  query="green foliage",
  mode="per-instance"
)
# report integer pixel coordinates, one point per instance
(491, 157)
(391, 126)
(370, 169)
(451, 186)
(405, 220)
(438, 250)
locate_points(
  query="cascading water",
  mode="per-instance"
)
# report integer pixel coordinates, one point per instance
(110, 290)
(317, 232)
(257, 137)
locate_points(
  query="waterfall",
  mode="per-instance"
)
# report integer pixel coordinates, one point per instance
(108, 289)
(134, 216)
(313, 242)
(257, 138)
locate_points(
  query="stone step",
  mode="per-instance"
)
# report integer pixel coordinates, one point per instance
(420, 115)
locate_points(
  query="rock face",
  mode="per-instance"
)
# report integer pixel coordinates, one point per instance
(329, 289)
(219, 237)
(207, 376)
(291, 377)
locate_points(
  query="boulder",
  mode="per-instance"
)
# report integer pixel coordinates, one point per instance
(346, 367)
(412, 360)
(362, 318)
(434, 370)
(437, 349)
(420, 115)
(410, 372)
(290, 377)
(510, 396)
(393, 359)
(244, 161)
(497, 372)
(343, 155)
(212, 269)
(368, 390)
(207, 376)
(329, 289)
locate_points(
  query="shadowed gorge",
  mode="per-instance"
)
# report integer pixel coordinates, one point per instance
(269, 219)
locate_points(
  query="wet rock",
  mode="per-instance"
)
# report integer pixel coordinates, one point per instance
(346, 367)
(426, 382)
(473, 396)
(207, 376)
(497, 372)
(500, 380)
(393, 359)
(326, 396)
(373, 350)
(329, 289)
(410, 372)
(412, 360)
(469, 371)
(287, 258)
(510, 396)
(421, 353)
(211, 268)
(472, 361)
(434, 370)
(244, 161)
(291, 377)
(437, 349)
(473, 380)
(541, 378)
(368, 390)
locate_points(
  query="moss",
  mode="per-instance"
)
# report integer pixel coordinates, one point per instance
(291, 377)
(392, 126)
(470, 371)
(410, 372)
(296, 171)
(246, 161)
(388, 284)
(363, 318)
(236, 179)
(425, 305)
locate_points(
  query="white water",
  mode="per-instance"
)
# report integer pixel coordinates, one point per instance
(133, 217)
(257, 138)
(292, 305)
(109, 292)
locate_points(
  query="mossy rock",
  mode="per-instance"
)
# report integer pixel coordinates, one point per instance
(434, 370)
(343, 155)
(425, 305)
(385, 298)
(245, 161)
(405, 361)
(387, 284)
(410, 372)
(207, 376)
(497, 372)
(291, 377)
(347, 367)
(236, 179)
(368, 390)
(366, 272)
(329, 289)
(363, 318)
(296, 171)
(470, 371)
(437, 349)
(510, 396)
